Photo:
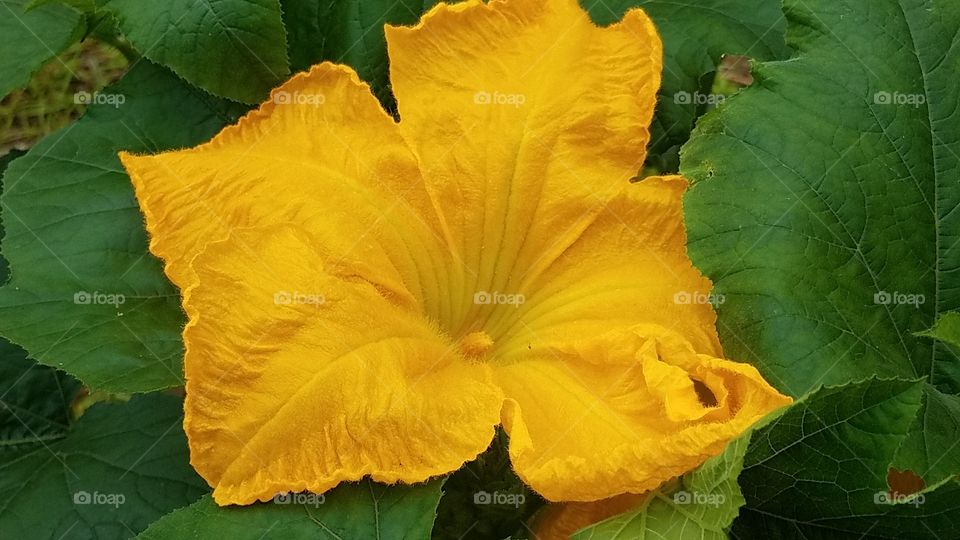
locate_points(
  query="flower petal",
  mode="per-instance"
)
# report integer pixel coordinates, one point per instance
(629, 266)
(615, 383)
(299, 377)
(584, 429)
(320, 153)
(526, 118)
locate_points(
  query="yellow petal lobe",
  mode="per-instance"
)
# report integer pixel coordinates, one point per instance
(299, 378)
(525, 117)
(321, 153)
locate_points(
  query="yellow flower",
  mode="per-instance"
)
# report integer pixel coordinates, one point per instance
(372, 298)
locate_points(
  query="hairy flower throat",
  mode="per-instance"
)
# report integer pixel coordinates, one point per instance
(475, 345)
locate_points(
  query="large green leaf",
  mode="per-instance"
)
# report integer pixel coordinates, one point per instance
(696, 34)
(823, 207)
(120, 468)
(28, 39)
(703, 507)
(35, 400)
(932, 447)
(820, 470)
(348, 32)
(231, 48)
(818, 208)
(361, 510)
(76, 243)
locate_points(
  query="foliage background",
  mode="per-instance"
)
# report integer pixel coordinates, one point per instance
(814, 192)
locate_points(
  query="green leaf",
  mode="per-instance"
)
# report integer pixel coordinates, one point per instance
(231, 48)
(820, 470)
(823, 206)
(823, 197)
(932, 447)
(34, 400)
(120, 468)
(695, 37)
(361, 510)
(348, 32)
(947, 329)
(85, 296)
(703, 508)
(28, 39)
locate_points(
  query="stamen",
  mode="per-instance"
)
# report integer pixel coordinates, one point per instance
(476, 344)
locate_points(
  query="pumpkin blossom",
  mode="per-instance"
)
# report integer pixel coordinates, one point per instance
(368, 297)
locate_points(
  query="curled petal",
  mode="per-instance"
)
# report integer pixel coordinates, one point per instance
(584, 429)
(613, 372)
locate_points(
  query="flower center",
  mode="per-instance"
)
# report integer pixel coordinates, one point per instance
(476, 344)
